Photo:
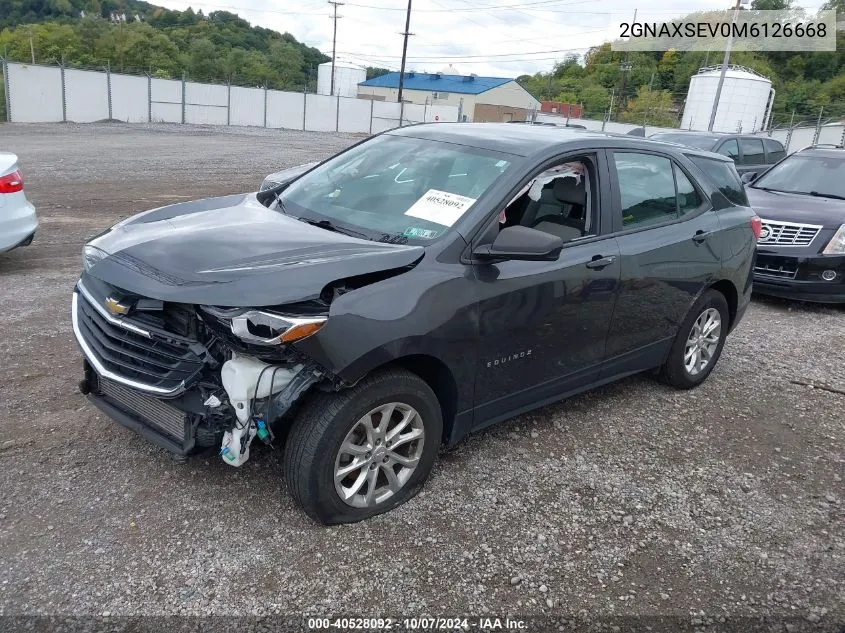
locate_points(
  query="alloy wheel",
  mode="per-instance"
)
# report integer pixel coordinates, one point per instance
(702, 342)
(379, 455)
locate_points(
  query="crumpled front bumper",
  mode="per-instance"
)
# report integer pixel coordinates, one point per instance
(802, 278)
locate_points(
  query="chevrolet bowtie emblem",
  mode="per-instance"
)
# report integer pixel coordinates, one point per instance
(116, 307)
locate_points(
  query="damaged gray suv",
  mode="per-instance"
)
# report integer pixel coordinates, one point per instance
(423, 284)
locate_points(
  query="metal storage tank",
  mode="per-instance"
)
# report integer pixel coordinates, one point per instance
(346, 79)
(745, 104)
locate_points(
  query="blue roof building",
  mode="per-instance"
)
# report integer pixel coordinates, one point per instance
(477, 98)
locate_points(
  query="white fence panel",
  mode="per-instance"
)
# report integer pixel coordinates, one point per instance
(321, 113)
(36, 93)
(801, 138)
(206, 104)
(166, 102)
(413, 113)
(441, 114)
(247, 106)
(284, 109)
(385, 115)
(129, 96)
(87, 96)
(354, 115)
(830, 135)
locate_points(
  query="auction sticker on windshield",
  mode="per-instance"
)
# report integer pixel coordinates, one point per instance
(440, 207)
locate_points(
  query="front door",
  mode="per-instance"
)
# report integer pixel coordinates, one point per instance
(543, 325)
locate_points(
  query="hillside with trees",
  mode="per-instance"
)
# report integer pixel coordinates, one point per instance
(651, 86)
(137, 37)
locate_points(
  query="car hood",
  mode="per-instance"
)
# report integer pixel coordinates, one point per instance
(792, 207)
(233, 251)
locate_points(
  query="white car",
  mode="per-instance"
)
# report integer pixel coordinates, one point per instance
(17, 215)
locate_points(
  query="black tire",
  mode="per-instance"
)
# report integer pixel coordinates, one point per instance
(322, 426)
(674, 371)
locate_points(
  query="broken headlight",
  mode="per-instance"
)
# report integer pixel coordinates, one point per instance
(263, 327)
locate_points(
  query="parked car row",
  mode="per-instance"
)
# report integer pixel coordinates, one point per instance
(434, 280)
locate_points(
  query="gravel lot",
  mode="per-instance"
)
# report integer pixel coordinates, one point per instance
(715, 505)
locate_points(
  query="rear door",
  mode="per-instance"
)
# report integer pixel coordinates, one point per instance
(666, 229)
(774, 151)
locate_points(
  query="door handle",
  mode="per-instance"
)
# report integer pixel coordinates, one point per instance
(701, 236)
(598, 262)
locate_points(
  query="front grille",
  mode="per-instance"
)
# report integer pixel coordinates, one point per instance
(153, 411)
(157, 363)
(787, 234)
(782, 271)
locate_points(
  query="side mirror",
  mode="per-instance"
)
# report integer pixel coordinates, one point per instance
(749, 177)
(521, 243)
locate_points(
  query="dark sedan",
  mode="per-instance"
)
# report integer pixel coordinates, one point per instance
(801, 251)
(419, 286)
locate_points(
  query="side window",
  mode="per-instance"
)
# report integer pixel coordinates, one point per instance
(752, 151)
(724, 176)
(647, 189)
(689, 200)
(774, 151)
(730, 149)
(558, 200)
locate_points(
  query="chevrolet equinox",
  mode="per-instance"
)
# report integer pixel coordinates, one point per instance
(421, 285)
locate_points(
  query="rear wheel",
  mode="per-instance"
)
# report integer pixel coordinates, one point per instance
(699, 342)
(360, 452)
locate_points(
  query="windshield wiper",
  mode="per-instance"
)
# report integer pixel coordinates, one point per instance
(329, 226)
(815, 194)
(774, 190)
(818, 194)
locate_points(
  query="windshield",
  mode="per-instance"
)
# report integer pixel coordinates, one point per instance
(690, 140)
(395, 188)
(812, 175)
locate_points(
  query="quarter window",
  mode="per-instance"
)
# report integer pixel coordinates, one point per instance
(689, 199)
(752, 151)
(647, 189)
(724, 176)
(729, 149)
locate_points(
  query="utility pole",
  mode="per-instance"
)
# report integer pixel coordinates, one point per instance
(334, 3)
(405, 33)
(725, 61)
(624, 67)
(31, 47)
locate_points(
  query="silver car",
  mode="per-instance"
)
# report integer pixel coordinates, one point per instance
(17, 215)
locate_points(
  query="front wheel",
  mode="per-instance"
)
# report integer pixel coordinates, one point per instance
(357, 453)
(699, 342)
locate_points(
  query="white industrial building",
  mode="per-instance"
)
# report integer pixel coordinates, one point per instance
(346, 79)
(479, 98)
(745, 104)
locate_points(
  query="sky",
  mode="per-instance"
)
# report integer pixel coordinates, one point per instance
(502, 38)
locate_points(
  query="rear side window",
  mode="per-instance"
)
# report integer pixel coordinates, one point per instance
(752, 151)
(647, 189)
(730, 149)
(774, 151)
(724, 176)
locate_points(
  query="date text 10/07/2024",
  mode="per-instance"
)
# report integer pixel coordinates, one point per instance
(417, 624)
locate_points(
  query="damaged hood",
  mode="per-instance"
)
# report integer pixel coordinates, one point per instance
(233, 251)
